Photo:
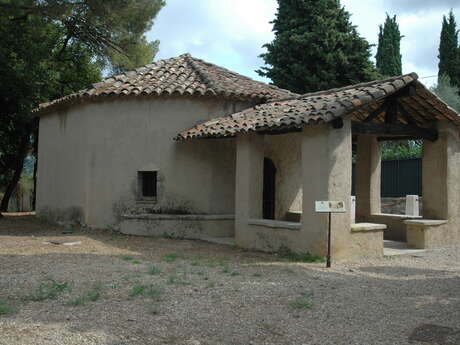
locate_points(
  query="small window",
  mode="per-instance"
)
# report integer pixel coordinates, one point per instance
(147, 184)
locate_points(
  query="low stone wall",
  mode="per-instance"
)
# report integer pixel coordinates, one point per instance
(367, 239)
(397, 205)
(429, 234)
(178, 226)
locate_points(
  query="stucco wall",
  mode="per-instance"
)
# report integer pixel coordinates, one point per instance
(89, 156)
(325, 174)
(285, 152)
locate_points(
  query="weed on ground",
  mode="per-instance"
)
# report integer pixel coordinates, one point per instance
(177, 280)
(49, 289)
(288, 255)
(300, 303)
(170, 257)
(146, 290)
(6, 308)
(153, 270)
(92, 295)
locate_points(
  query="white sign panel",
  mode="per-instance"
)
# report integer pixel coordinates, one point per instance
(330, 206)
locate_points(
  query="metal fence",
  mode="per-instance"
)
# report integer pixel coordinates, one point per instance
(399, 178)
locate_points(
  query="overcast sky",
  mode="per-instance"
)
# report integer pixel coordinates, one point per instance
(231, 33)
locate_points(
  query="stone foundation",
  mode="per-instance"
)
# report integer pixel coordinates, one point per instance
(178, 226)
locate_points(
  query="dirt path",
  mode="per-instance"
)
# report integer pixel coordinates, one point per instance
(116, 290)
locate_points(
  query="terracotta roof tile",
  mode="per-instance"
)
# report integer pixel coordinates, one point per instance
(182, 75)
(323, 106)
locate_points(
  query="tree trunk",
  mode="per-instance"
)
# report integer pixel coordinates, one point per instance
(18, 166)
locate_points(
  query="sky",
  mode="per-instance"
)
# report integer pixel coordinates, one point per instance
(231, 33)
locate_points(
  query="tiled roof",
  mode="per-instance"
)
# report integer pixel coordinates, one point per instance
(325, 106)
(182, 75)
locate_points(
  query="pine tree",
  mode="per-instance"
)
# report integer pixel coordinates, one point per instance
(388, 58)
(315, 48)
(449, 56)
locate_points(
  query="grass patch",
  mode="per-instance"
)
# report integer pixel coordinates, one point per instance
(288, 255)
(137, 290)
(235, 273)
(226, 269)
(257, 274)
(210, 285)
(145, 290)
(300, 303)
(6, 308)
(49, 289)
(170, 257)
(136, 262)
(126, 258)
(153, 270)
(75, 302)
(176, 280)
(114, 286)
(92, 295)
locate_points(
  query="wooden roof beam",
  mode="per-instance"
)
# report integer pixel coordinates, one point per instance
(397, 129)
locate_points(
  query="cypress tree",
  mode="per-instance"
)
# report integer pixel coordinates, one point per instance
(315, 48)
(449, 59)
(388, 58)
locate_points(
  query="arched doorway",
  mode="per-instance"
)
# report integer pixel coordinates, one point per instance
(269, 190)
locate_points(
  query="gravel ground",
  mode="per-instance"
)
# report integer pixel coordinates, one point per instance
(112, 289)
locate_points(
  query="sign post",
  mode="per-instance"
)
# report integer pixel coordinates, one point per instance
(329, 207)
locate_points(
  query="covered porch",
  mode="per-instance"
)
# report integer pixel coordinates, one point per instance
(291, 153)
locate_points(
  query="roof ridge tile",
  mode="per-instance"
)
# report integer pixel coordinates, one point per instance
(199, 77)
(322, 106)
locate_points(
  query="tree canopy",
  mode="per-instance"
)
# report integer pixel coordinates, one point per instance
(316, 47)
(388, 58)
(448, 92)
(449, 54)
(113, 30)
(51, 48)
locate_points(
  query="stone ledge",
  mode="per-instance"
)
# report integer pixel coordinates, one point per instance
(397, 216)
(425, 222)
(180, 216)
(357, 227)
(275, 224)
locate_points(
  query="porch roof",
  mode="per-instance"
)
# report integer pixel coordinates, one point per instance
(406, 100)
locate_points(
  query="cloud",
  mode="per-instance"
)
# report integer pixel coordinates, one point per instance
(231, 33)
(414, 6)
(227, 33)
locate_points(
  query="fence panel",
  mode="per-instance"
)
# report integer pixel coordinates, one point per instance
(399, 178)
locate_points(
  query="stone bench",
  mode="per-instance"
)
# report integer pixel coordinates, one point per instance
(367, 239)
(427, 233)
